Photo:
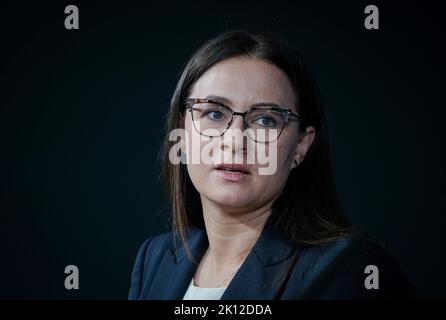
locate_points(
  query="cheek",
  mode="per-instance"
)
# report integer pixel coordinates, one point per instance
(196, 175)
(287, 145)
(279, 156)
(192, 138)
(198, 167)
(284, 155)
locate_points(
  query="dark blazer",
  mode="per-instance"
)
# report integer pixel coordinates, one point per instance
(274, 269)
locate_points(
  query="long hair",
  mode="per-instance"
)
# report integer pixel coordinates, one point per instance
(310, 212)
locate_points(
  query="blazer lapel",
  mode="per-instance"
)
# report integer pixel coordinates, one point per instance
(265, 269)
(261, 276)
(176, 270)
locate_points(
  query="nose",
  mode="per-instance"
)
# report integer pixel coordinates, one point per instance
(237, 122)
(234, 139)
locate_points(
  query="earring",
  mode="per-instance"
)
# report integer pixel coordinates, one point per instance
(296, 163)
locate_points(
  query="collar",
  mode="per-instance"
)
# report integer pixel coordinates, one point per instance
(272, 246)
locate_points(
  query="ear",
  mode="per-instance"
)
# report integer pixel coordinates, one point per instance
(303, 145)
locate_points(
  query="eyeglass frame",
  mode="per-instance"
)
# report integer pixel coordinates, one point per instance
(286, 112)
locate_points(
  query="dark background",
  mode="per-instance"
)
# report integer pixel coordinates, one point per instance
(82, 119)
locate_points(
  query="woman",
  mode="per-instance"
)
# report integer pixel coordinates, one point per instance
(241, 234)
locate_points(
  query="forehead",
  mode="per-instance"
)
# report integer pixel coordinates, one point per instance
(244, 81)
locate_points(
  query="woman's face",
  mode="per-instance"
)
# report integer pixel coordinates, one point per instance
(242, 82)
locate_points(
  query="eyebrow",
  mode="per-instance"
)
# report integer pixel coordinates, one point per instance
(228, 102)
(219, 99)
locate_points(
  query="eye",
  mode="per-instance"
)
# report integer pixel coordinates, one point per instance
(215, 115)
(266, 121)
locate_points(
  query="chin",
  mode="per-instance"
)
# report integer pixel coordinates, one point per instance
(235, 201)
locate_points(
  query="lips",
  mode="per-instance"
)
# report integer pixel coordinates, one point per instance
(233, 173)
(233, 168)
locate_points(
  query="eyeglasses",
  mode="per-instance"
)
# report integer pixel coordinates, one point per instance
(263, 123)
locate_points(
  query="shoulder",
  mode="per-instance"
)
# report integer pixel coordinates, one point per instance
(352, 267)
(149, 256)
(158, 252)
(154, 248)
(156, 245)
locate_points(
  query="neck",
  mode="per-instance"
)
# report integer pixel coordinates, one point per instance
(231, 234)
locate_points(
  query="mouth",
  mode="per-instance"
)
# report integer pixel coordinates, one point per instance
(236, 168)
(232, 172)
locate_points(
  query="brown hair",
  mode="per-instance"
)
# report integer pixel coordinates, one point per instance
(309, 209)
